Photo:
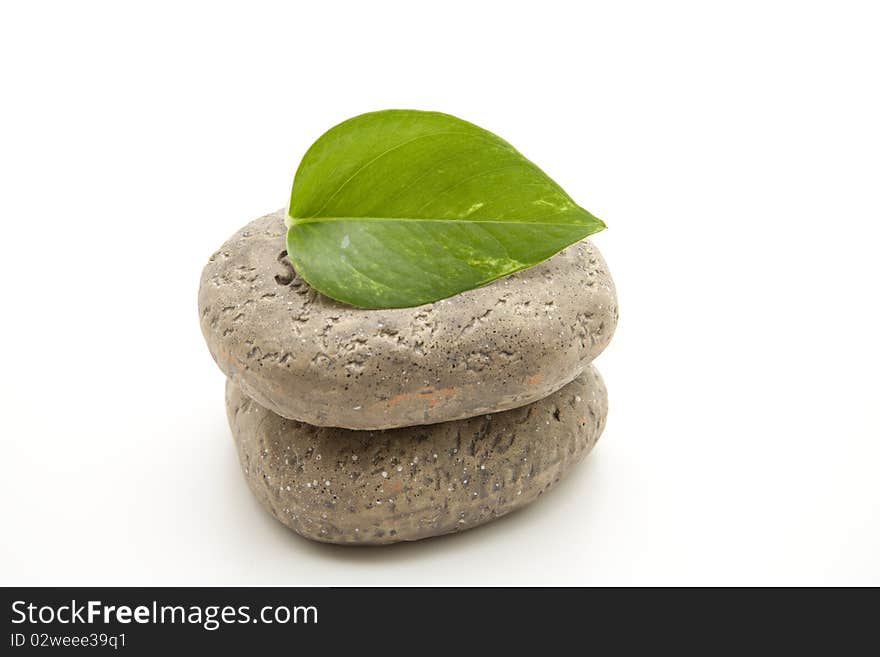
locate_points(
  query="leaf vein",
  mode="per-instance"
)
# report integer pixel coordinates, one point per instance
(386, 152)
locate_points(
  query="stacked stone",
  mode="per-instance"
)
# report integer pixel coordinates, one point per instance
(375, 426)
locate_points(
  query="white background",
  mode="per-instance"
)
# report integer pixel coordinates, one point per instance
(732, 148)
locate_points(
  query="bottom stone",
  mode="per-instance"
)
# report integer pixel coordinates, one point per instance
(378, 487)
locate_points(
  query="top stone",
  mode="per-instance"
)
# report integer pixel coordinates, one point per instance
(309, 358)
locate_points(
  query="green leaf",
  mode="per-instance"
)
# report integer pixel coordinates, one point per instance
(402, 207)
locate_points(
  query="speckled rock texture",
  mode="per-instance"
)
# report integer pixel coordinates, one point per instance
(309, 358)
(378, 487)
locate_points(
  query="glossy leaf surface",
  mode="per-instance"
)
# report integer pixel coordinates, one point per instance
(403, 207)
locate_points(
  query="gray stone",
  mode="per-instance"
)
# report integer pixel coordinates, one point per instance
(309, 358)
(377, 487)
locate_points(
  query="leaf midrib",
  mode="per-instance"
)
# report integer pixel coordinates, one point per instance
(302, 221)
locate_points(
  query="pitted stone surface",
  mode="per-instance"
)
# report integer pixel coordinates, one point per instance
(309, 358)
(377, 487)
